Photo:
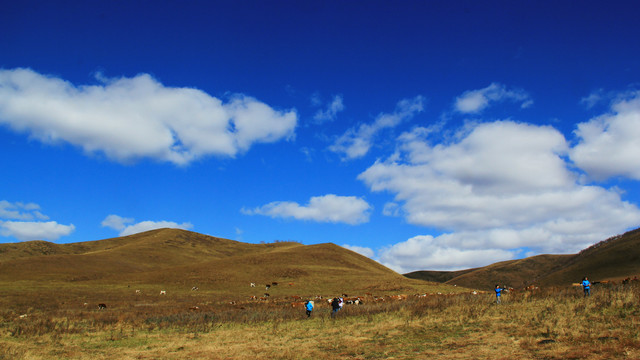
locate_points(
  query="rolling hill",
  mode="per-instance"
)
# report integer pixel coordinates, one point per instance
(615, 258)
(179, 259)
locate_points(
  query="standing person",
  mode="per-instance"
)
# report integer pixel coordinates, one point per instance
(335, 306)
(498, 293)
(309, 307)
(341, 302)
(586, 286)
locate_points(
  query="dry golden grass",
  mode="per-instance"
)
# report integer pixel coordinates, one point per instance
(547, 324)
(174, 259)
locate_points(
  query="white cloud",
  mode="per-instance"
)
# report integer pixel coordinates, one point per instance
(425, 252)
(356, 142)
(502, 186)
(35, 230)
(331, 112)
(364, 251)
(609, 144)
(138, 117)
(121, 224)
(24, 221)
(328, 208)
(116, 222)
(474, 101)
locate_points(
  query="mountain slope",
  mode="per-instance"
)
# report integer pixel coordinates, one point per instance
(614, 258)
(174, 258)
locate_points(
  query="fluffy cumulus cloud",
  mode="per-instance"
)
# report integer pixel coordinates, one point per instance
(24, 221)
(426, 252)
(499, 187)
(138, 117)
(474, 101)
(356, 142)
(609, 144)
(128, 226)
(328, 208)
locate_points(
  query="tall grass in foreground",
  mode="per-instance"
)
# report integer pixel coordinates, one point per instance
(545, 324)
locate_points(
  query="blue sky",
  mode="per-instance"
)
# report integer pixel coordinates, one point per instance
(425, 135)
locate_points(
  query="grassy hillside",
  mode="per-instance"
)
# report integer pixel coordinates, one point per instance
(175, 259)
(614, 258)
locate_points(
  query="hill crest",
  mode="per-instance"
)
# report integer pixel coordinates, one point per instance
(617, 257)
(181, 259)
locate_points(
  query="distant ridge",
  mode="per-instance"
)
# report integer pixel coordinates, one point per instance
(615, 258)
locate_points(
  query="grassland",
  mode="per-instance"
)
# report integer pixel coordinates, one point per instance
(49, 295)
(553, 323)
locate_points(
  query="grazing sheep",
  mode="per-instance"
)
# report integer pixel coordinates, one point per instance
(102, 306)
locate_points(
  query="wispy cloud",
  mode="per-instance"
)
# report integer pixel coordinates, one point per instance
(132, 118)
(592, 99)
(475, 101)
(328, 208)
(20, 211)
(331, 111)
(128, 226)
(356, 142)
(24, 221)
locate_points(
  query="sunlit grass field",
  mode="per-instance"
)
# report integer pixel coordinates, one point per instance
(556, 323)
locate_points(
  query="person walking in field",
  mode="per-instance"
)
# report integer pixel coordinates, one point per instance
(498, 293)
(586, 286)
(335, 306)
(309, 307)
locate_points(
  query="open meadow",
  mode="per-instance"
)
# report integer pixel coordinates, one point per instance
(552, 323)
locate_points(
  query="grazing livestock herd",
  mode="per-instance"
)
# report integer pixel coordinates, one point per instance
(297, 301)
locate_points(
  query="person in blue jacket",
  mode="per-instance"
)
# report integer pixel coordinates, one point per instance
(498, 293)
(586, 286)
(309, 307)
